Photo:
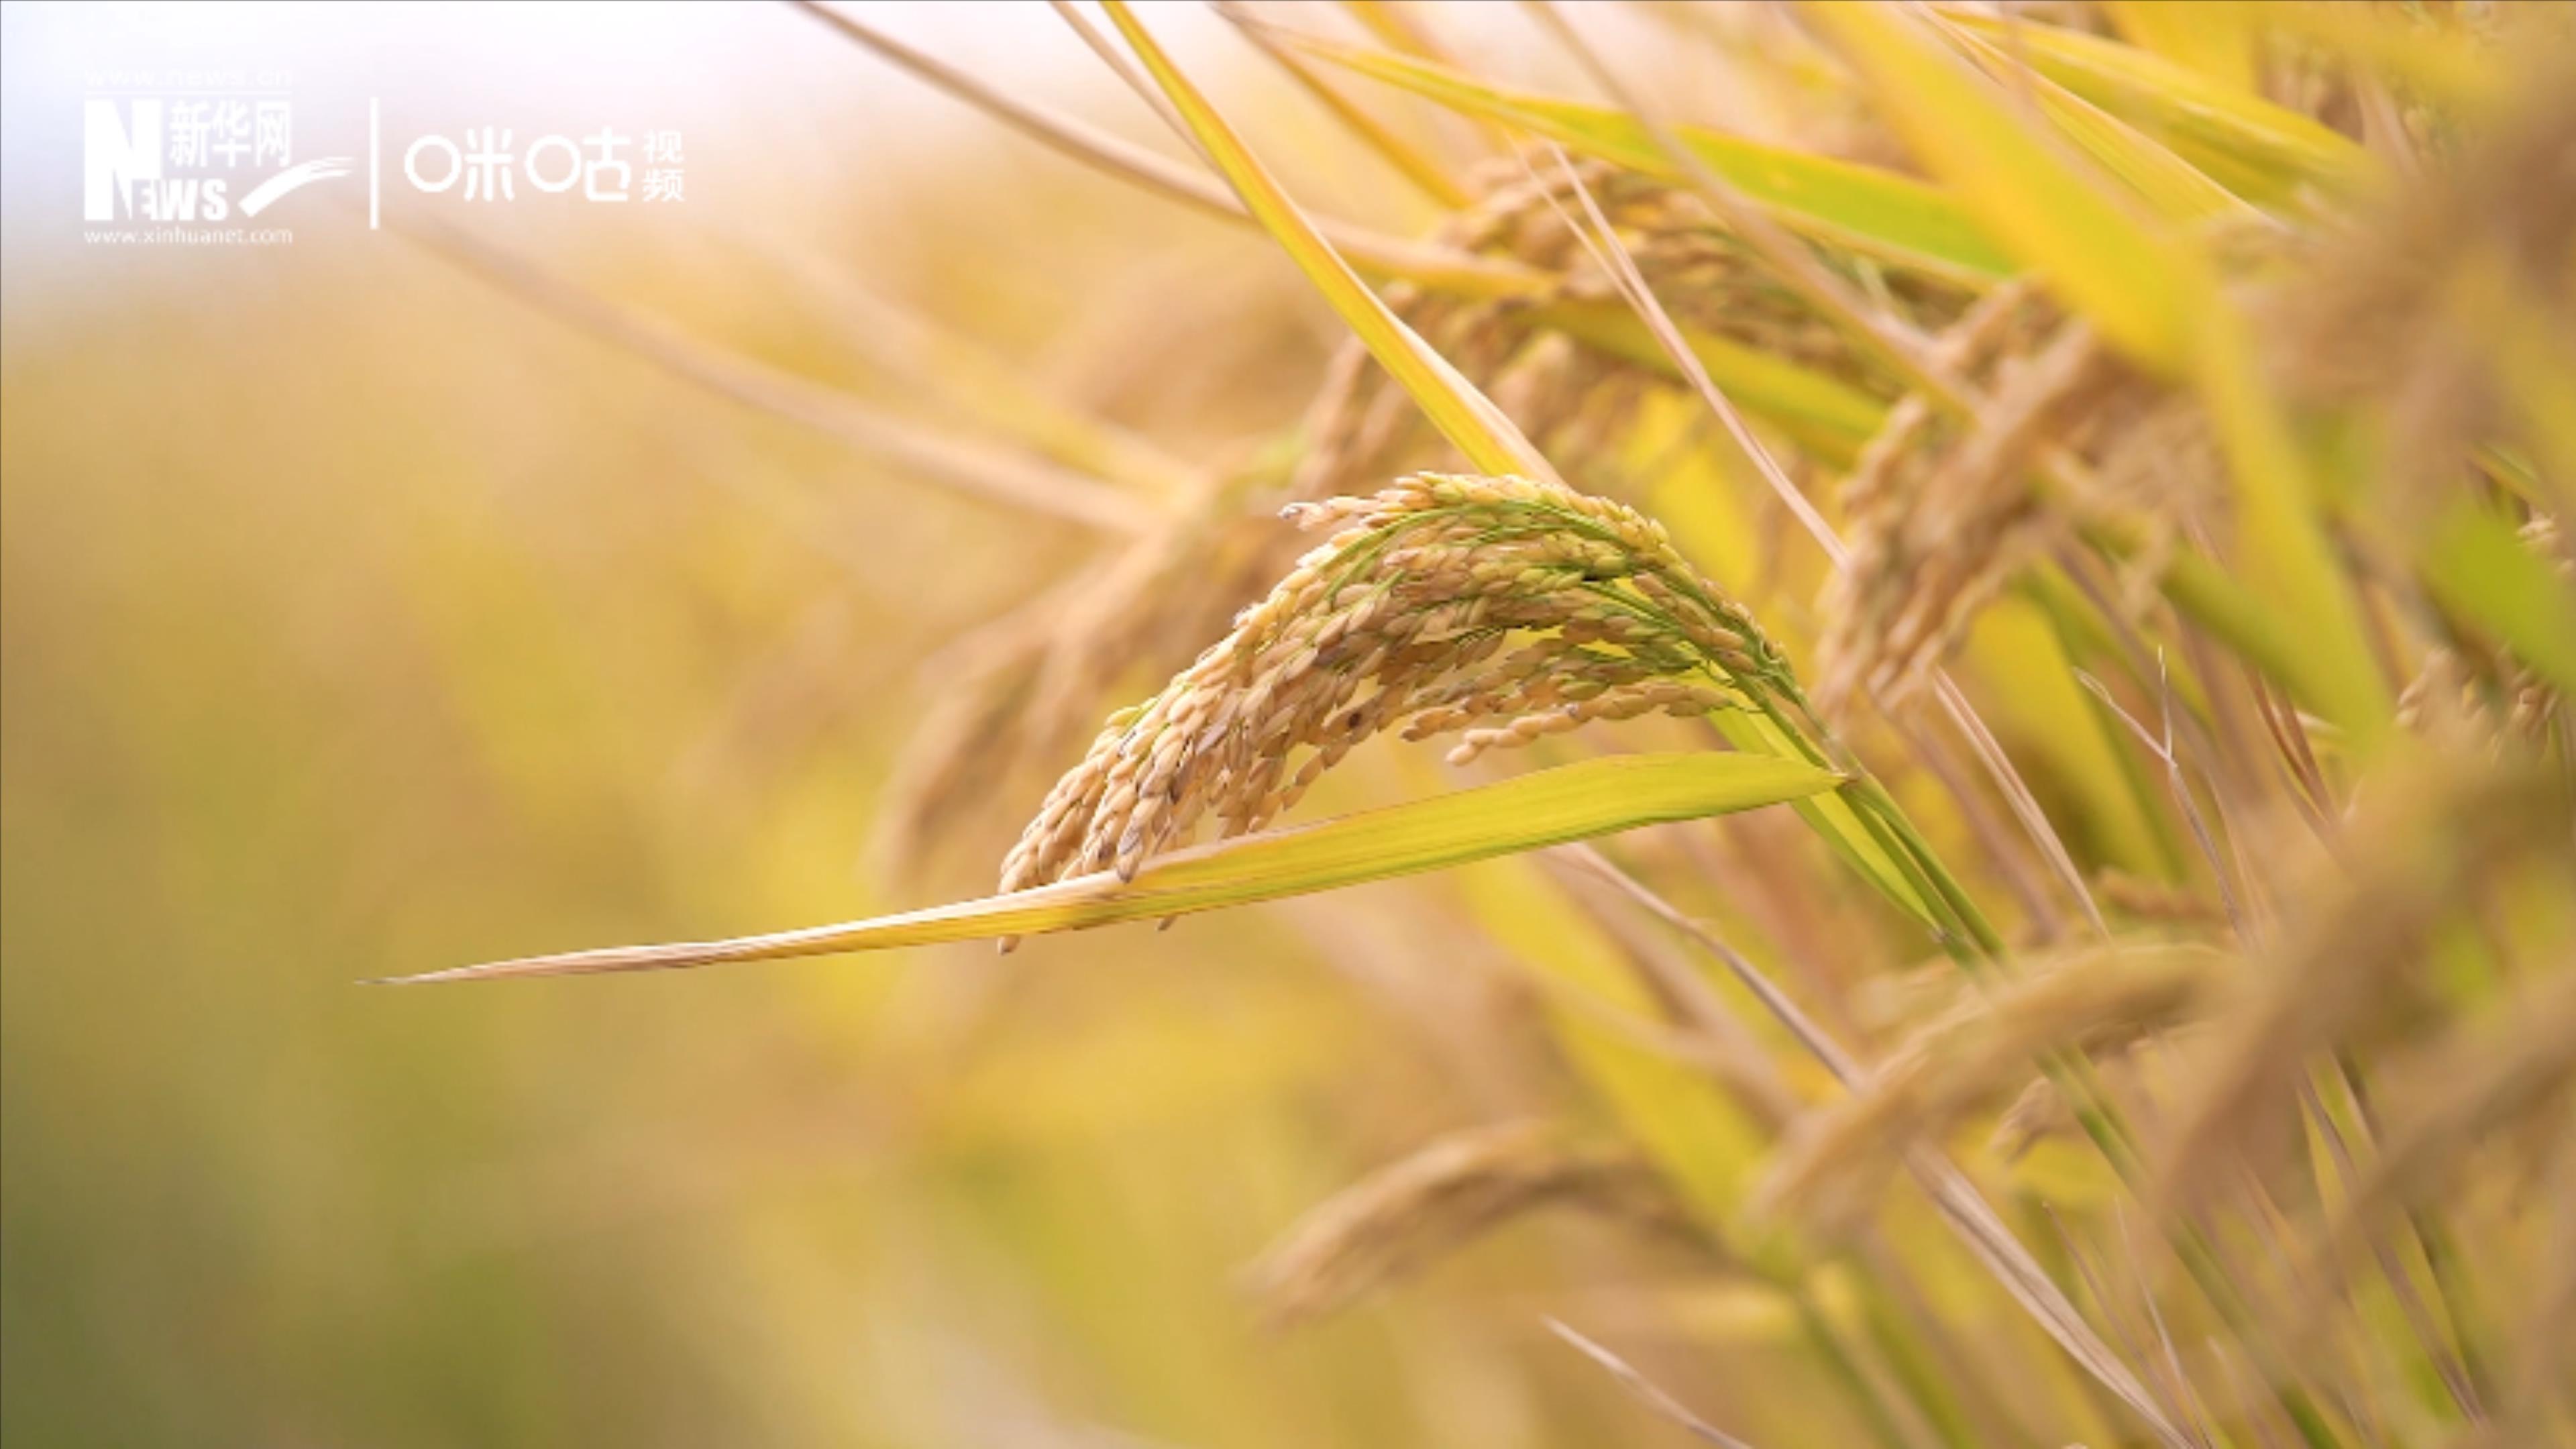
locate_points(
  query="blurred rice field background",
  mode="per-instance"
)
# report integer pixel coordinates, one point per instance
(514, 579)
(360, 618)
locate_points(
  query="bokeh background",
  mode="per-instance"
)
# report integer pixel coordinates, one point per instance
(362, 618)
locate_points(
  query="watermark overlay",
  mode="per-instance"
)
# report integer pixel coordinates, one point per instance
(194, 157)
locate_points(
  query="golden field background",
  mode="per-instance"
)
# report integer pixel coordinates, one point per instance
(484, 587)
(360, 619)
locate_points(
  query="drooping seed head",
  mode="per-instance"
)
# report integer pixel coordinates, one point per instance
(1500, 607)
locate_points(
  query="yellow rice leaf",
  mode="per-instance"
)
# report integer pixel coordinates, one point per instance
(2443, 62)
(1491, 441)
(2101, 258)
(2170, 185)
(1441, 269)
(1896, 218)
(2037, 700)
(1409, 160)
(1549, 807)
(1701, 1140)
(2214, 39)
(1691, 493)
(2258, 150)
(2159, 300)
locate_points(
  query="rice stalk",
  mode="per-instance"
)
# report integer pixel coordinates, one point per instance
(2476, 1086)
(2350, 961)
(1424, 171)
(2283, 448)
(1646, 1390)
(2086, 1002)
(1962, 1207)
(969, 465)
(1382, 255)
(1400, 1219)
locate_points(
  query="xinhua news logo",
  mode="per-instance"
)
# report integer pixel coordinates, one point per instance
(191, 158)
(176, 157)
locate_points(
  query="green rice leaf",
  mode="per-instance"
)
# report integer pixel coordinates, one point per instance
(2170, 185)
(1829, 418)
(2254, 148)
(1892, 217)
(2157, 298)
(2476, 565)
(1832, 817)
(2106, 262)
(2282, 548)
(1548, 807)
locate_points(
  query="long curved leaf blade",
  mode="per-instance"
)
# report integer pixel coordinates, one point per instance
(2159, 300)
(1828, 417)
(967, 464)
(1442, 269)
(2173, 187)
(2474, 562)
(2101, 258)
(1893, 217)
(1548, 807)
(1469, 419)
(2260, 151)
(2440, 60)
(2213, 39)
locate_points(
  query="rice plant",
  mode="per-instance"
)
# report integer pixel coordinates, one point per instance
(2111, 487)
